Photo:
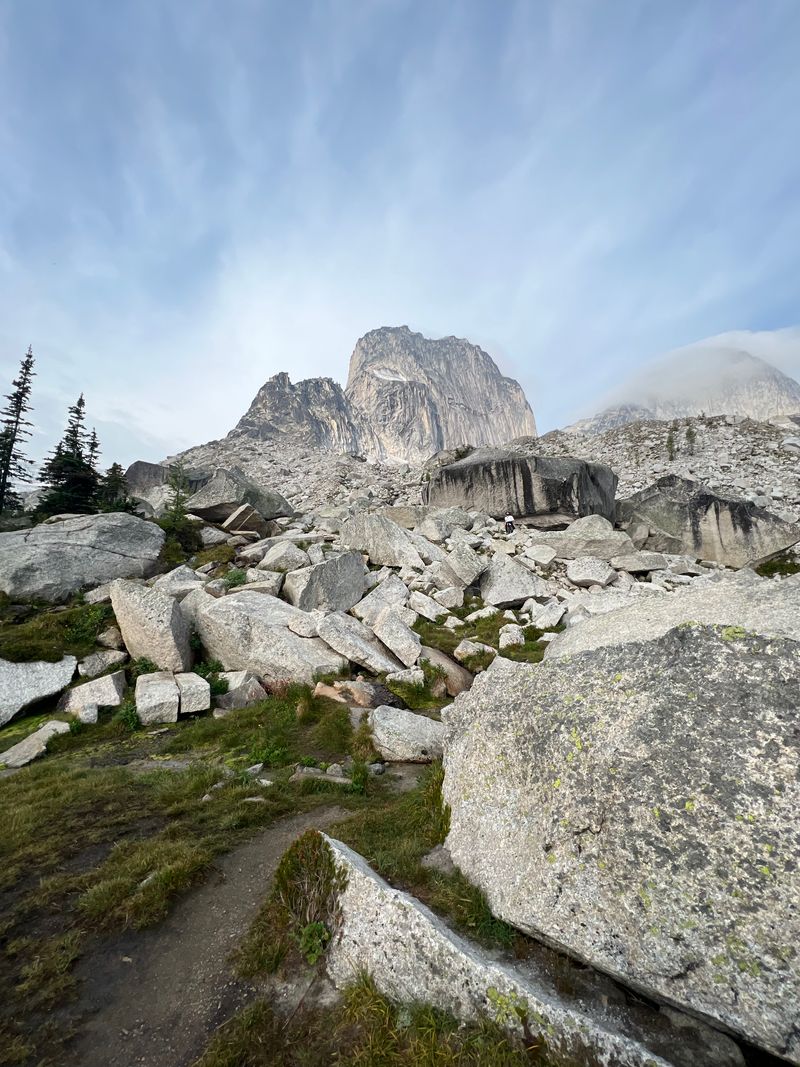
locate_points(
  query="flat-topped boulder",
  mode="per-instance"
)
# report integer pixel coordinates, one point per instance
(500, 482)
(687, 517)
(55, 560)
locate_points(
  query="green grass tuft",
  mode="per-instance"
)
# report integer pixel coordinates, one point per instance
(53, 634)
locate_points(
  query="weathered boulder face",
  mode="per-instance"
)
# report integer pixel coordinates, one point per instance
(637, 806)
(227, 490)
(500, 482)
(56, 560)
(403, 736)
(686, 516)
(334, 585)
(250, 632)
(22, 684)
(153, 626)
(386, 543)
(759, 604)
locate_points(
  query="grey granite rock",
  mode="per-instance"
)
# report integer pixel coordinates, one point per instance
(506, 583)
(157, 698)
(400, 639)
(22, 684)
(382, 540)
(357, 643)
(402, 736)
(638, 806)
(334, 585)
(152, 624)
(105, 692)
(34, 745)
(57, 559)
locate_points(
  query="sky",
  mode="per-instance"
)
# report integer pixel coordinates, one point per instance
(197, 195)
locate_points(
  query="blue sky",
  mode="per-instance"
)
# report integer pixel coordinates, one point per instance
(196, 195)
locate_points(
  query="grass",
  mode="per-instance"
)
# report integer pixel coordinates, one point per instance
(487, 632)
(91, 845)
(430, 696)
(53, 634)
(782, 566)
(366, 1030)
(218, 554)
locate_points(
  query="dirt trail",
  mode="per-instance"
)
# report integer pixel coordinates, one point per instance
(156, 995)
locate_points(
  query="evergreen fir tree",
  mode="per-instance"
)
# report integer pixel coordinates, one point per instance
(93, 450)
(68, 472)
(113, 491)
(14, 427)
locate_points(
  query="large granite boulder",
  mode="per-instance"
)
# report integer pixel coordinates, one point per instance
(592, 535)
(55, 560)
(686, 516)
(152, 624)
(336, 584)
(402, 736)
(386, 543)
(500, 482)
(250, 631)
(506, 583)
(762, 604)
(227, 490)
(22, 684)
(638, 807)
(355, 641)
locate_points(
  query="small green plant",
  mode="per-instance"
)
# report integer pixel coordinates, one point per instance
(312, 940)
(781, 566)
(691, 437)
(235, 577)
(359, 777)
(126, 715)
(211, 670)
(140, 666)
(671, 444)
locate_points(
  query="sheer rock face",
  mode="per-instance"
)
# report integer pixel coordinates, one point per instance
(406, 398)
(637, 806)
(501, 481)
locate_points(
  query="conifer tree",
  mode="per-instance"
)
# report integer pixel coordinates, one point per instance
(113, 491)
(14, 427)
(68, 473)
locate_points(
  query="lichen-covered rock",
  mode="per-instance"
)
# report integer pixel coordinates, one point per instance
(638, 806)
(402, 736)
(412, 955)
(746, 600)
(499, 482)
(687, 516)
(34, 745)
(152, 625)
(55, 560)
(22, 684)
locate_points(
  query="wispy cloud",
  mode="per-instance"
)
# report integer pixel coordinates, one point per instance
(192, 200)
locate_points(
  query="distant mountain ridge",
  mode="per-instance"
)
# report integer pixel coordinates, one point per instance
(407, 397)
(715, 377)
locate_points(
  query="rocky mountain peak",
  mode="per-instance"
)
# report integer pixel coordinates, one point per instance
(407, 397)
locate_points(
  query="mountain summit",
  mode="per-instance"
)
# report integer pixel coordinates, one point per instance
(407, 397)
(722, 375)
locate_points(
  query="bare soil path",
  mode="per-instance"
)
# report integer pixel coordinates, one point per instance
(151, 998)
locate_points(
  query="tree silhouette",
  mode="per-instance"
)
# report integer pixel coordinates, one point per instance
(15, 467)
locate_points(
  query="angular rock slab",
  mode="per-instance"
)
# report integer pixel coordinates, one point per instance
(55, 560)
(404, 736)
(770, 607)
(334, 585)
(590, 536)
(22, 684)
(195, 693)
(153, 626)
(227, 490)
(105, 692)
(157, 698)
(356, 642)
(637, 807)
(501, 482)
(412, 955)
(249, 631)
(98, 662)
(400, 639)
(34, 745)
(506, 583)
(386, 543)
(686, 516)
(588, 571)
(391, 592)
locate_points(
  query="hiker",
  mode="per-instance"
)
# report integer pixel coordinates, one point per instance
(509, 523)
